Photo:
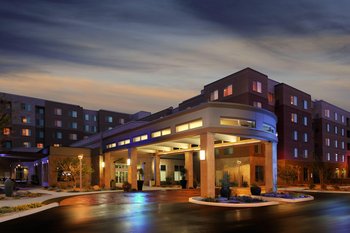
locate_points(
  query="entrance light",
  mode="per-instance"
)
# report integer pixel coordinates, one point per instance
(102, 164)
(128, 162)
(202, 154)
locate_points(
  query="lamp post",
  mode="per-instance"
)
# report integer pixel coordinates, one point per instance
(239, 172)
(80, 157)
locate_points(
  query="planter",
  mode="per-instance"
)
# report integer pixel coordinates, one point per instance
(225, 192)
(183, 183)
(255, 190)
(139, 185)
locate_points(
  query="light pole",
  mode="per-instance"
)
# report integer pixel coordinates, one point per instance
(80, 157)
(239, 172)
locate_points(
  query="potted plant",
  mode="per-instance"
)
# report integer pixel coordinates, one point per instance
(225, 190)
(139, 179)
(183, 180)
(126, 186)
(255, 190)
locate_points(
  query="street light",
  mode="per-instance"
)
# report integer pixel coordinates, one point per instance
(80, 157)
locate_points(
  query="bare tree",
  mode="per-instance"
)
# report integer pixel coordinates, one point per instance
(4, 117)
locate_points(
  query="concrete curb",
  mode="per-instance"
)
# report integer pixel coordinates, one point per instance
(197, 200)
(318, 191)
(27, 212)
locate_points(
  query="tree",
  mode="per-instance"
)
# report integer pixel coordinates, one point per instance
(323, 170)
(72, 165)
(288, 174)
(4, 117)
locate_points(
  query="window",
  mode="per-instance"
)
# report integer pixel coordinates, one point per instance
(343, 145)
(140, 138)
(228, 90)
(7, 144)
(343, 158)
(39, 145)
(214, 95)
(124, 142)
(257, 86)
(336, 143)
(328, 156)
(342, 132)
(26, 107)
(161, 133)
(336, 157)
(295, 152)
(237, 122)
(59, 135)
(6, 131)
(25, 120)
(26, 144)
(40, 122)
(190, 125)
(109, 119)
(74, 114)
(327, 113)
(87, 128)
(305, 121)
(268, 128)
(335, 129)
(111, 145)
(335, 116)
(306, 153)
(74, 125)
(305, 137)
(26, 132)
(86, 117)
(58, 123)
(73, 136)
(58, 111)
(228, 151)
(294, 118)
(163, 167)
(94, 129)
(327, 141)
(259, 174)
(41, 134)
(294, 100)
(56, 145)
(328, 128)
(295, 135)
(257, 104)
(305, 104)
(342, 119)
(121, 120)
(271, 98)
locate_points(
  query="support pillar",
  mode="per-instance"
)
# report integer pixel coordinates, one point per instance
(157, 169)
(132, 170)
(207, 166)
(189, 168)
(271, 166)
(101, 170)
(109, 168)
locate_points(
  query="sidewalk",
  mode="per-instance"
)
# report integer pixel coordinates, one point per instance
(48, 195)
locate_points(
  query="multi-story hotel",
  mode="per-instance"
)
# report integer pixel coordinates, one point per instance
(245, 124)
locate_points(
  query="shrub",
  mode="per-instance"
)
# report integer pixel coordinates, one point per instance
(126, 186)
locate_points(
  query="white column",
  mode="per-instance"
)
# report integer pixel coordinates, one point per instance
(271, 166)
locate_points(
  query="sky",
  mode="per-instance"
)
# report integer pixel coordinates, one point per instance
(129, 55)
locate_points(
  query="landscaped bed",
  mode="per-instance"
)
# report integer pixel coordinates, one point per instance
(235, 201)
(285, 197)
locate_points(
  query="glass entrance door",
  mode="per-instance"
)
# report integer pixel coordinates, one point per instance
(121, 173)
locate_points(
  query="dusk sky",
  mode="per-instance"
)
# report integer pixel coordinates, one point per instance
(152, 54)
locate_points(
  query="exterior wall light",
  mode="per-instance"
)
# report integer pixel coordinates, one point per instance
(128, 162)
(202, 155)
(103, 164)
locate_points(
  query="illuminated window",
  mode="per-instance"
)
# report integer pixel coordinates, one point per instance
(257, 87)
(214, 95)
(335, 129)
(111, 145)
(257, 104)
(305, 137)
(121, 120)
(268, 128)
(26, 144)
(327, 113)
(189, 125)
(342, 119)
(327, 141)
(335, 116)
(58, 123)
(336, 157)
(305, 121)
(294, 100)
(73, 136)
(59, 135)
(328, 156)
(6, 131)
(271, 98)
(87, 117)
(74, 125)
(87, 128)
(306, 153)
(295, 135)
(58, 111)
(26, 132)
(342, 132)
(39, 145)
(294, 118)
(140, 138)
(56, 145)
(336, 143)
(228, 90)
(161, 133)
(343, 158)
(124, 142)
(25, 120)
(328, 128)
(237, 122)
(343, 145)
(26, 107)
(295, 152)
(306, 105)
(109, 119)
